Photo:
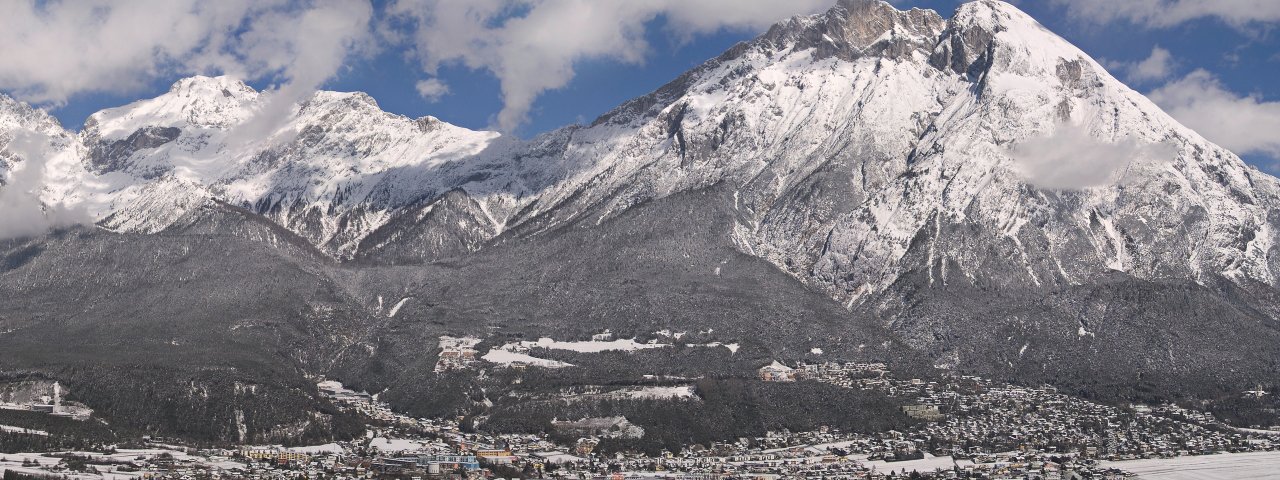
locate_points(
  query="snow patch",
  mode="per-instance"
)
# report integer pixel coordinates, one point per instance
(500, 356)
(591, 346)
(396, 308)
(732, 347)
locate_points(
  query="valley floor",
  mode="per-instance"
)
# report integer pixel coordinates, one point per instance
(1010, 432)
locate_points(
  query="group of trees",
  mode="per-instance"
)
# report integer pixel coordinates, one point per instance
(62, 433)
(724, 409)
(13, 475)
(201, 405)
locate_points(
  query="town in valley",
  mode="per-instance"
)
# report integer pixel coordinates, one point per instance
(962, 427)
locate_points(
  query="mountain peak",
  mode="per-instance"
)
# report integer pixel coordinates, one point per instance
(858, 28)
(225, 85)
(997, 10)
(15, 113)
(992, 34)
(198, 101)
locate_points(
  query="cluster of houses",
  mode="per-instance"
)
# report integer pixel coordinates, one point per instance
(457, 353)
(361, 402)
(968, 427)
(967, 417)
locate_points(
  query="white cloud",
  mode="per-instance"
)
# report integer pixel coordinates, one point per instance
(1167, 13)
(432, 89)
(1157, 67)
(305, 48)
(53, 50)
(1244, 124)
(1069, 158)
(532, 46)
(22, 212)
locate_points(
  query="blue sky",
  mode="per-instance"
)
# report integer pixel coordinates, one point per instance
(1239, 56)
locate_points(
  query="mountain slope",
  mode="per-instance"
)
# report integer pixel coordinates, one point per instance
(847, 134)
(209, 337)
(957, 180)
(852, 133)
(974, 193)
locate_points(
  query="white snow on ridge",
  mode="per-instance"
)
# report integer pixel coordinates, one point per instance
(337, 156)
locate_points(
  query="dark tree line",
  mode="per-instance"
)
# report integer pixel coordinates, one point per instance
(725, 409)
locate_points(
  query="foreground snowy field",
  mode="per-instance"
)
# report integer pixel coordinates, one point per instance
(1238, 466)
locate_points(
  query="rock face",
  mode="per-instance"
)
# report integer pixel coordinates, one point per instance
(976, 185)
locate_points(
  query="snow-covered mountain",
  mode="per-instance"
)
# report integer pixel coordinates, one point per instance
(971, 192)
(1003, 153)
(849, 137)
(335, 169)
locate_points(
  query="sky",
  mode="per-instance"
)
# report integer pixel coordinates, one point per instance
(529, 66)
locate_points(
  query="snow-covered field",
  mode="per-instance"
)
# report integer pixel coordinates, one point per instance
(733, 347)
(338, 389)
(502, 356)
(927, 464)
(14, 462)
(593, 346)
(514, 353)
(1230, 466)
(657, 393)
(517, 352)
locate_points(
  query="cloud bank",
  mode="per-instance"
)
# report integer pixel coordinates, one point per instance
(53, 50)
(1168, 13)
(432, 89)
(1159, 66)
(1069, 158)
(305, 47)
(532, 46)
(1244, 124)
(22, 212)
